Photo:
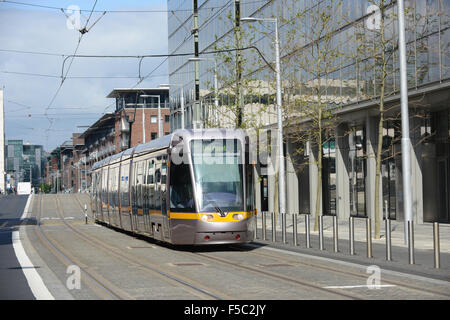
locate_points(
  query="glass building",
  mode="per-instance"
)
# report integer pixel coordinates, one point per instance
(341, 55)
(24, 162)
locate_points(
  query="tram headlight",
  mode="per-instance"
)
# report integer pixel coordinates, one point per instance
(207, 217)
(238, 216)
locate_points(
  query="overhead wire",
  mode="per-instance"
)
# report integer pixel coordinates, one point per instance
(68, 69)
(118, 11)
(73, 56)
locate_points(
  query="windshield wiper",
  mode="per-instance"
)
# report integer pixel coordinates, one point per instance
(220, 211)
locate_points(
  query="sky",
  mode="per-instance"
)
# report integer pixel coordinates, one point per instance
(38, 109)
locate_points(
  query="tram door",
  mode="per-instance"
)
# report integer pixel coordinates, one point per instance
(150, 194)
(98, 192)
(138, 187)
(104, 198)
(163, 191)
(157, 221)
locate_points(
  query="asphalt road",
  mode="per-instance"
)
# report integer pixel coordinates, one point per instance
(13, 284)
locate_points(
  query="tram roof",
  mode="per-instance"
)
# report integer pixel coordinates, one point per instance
(165, 142)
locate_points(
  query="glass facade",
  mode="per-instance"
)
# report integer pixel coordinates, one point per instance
(24, 161)
(343, 53)
(350, 78)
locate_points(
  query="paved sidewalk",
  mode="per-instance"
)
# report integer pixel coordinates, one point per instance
(423, 233)
(423, 242)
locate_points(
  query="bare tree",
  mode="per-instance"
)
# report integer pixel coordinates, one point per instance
(314, 56)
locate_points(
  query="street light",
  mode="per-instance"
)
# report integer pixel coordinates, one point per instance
(406, 142)
(281, 174)
(159, 111)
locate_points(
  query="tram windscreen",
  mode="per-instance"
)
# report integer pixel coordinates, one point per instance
(218, 173)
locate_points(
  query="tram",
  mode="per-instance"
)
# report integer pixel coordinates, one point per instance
(191, 187)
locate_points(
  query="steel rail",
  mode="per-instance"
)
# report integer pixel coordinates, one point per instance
(144, 265)
(64, 257)
(338, 270)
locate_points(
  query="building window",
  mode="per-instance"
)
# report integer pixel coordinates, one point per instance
(153, 135)
(166, 118)
(153, 119)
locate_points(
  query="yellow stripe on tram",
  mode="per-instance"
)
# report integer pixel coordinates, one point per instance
(212, 216)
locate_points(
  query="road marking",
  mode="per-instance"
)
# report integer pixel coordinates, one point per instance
(34, 280)
(361, 286)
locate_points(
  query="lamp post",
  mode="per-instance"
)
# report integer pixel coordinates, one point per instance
(406, 142)
(281, 172)
(159, 110)
(216, 84)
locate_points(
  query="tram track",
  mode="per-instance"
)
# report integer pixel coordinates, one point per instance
(91, 279)
(234, 265)
(188, 284)
(301, 282)
(340, 271)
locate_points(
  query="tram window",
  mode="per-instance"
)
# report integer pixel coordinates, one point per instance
(150, 179)
(133, 187)
(218, 173)
(151, 182)
(157, 191)
(139, 182)
(181, 193)
(163, 173)
(124, 184)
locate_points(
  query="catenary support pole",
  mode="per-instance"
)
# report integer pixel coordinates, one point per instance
(405, 142)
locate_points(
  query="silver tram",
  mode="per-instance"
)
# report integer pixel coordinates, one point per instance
(191, 187)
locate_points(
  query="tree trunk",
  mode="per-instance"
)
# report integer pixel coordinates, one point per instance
(319, 163)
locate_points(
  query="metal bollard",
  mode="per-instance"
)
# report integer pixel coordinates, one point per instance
(335, 234)
(274, 228)
(321, 232)
(411, 241)
(352, 236)
(255, 235)
(388, 232)
(437, 258)
(264, 236)
(85, 213)
(307, 232)
(294, 229)
(369, 237)
(388, 240)
(283, 226)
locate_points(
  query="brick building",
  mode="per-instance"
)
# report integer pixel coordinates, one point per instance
(137, 115)
(134, 121)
